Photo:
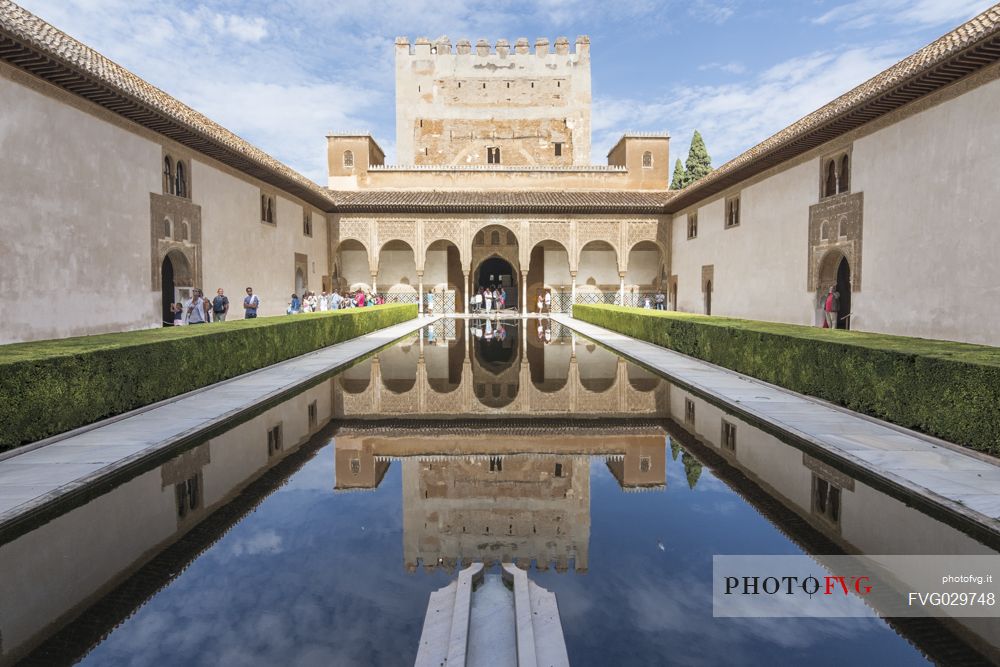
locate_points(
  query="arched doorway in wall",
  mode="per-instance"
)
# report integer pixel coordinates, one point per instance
(354, 266)
(496, 272)
(443, 275)
(835, 271)
(175, 282)
(844, 287)
(644, 263)
(597, 273)
(548, 271)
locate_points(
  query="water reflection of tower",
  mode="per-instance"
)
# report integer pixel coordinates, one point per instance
(514, 508)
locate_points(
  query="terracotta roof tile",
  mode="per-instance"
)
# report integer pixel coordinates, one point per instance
(519, 200)
(25, 27)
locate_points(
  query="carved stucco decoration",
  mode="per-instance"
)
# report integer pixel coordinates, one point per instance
(179, 212)
(835, 228)
(396, 230)
(550, 231)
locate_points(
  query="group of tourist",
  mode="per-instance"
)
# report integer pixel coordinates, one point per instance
(199, 310)
(489, 298)
(315, 303)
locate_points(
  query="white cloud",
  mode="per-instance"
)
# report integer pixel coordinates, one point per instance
(734, 67)
(915, 13)
(713, 11)
(735, 116)
(243, 28)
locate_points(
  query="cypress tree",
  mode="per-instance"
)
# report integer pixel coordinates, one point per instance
(675, 449)
(692, 469)
(698, 163)
(680, 176)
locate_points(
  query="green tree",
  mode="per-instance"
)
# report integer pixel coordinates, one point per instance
(692, 469)
(674, 449)
(680, 176)
(699, 163)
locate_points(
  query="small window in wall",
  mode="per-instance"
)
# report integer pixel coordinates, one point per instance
(693, 225)
(348, 159)
(273, 440)
(559, 470)
(647, 160)
(182, 189)
(267, 208)
(355, 466)
(830, 188)
(825, 500)
(644, 464)
(185, 233)
(167, 232)
(728, 436)
(188, 494)
(558, 147)
(493, 155)
(835, 174)
(496, 464)
(168, 176)
(307, 223)
(313, 415)
(689, 411)
(733, 212)
(495, 237)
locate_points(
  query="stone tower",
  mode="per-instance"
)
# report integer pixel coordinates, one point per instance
(485, 106)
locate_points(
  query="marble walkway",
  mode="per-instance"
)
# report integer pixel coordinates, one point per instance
(35, 476)
(964, 484)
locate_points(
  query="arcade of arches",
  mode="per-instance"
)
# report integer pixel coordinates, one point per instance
(444, 260)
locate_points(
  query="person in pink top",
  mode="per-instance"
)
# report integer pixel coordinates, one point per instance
(831, 306)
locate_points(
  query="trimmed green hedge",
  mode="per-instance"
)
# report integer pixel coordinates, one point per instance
(52, 386)
(947, 389)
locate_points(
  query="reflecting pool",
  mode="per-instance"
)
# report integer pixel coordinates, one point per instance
(314, 532)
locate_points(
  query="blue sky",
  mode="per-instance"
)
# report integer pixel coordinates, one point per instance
(283, 73)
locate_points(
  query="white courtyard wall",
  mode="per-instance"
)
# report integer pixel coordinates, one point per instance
(557, 267)
(74, 191)
(929, 230)
(238, 250)
(931, 234)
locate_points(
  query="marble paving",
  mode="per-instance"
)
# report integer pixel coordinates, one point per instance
(964, 483)
(37, 476)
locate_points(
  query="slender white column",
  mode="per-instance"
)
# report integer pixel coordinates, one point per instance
(621, 290)
(420, 293)
(524, 293)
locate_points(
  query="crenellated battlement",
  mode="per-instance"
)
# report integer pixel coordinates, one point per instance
(422, 47)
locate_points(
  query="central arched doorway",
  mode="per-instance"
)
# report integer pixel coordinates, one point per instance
(175, 283)
(497, 273)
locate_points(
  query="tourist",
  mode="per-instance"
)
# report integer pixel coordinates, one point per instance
(831, 307)
(250, 304)
(430, 301)
(220, 306)
(503, 298)
(660, 299)
(197, 312)
(177, 309)
(359, 298)
(335, 301)
(647, 303)
(540, 302)
(312, 303)
(294, 306)
(548, 301)
(324, 301)
(488, 299)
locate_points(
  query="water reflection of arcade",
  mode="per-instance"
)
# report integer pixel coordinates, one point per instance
(499, 495)
(454, 368)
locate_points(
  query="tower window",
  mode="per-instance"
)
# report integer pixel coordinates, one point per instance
(693, 225)
(493, 155)
(168, 176)
(558, 146)
(845, 174)
(348, 159)
(181, 180)
(647, 160)
(307, 223)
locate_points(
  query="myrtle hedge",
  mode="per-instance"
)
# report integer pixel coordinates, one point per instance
(52, 386)
(946, 389)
